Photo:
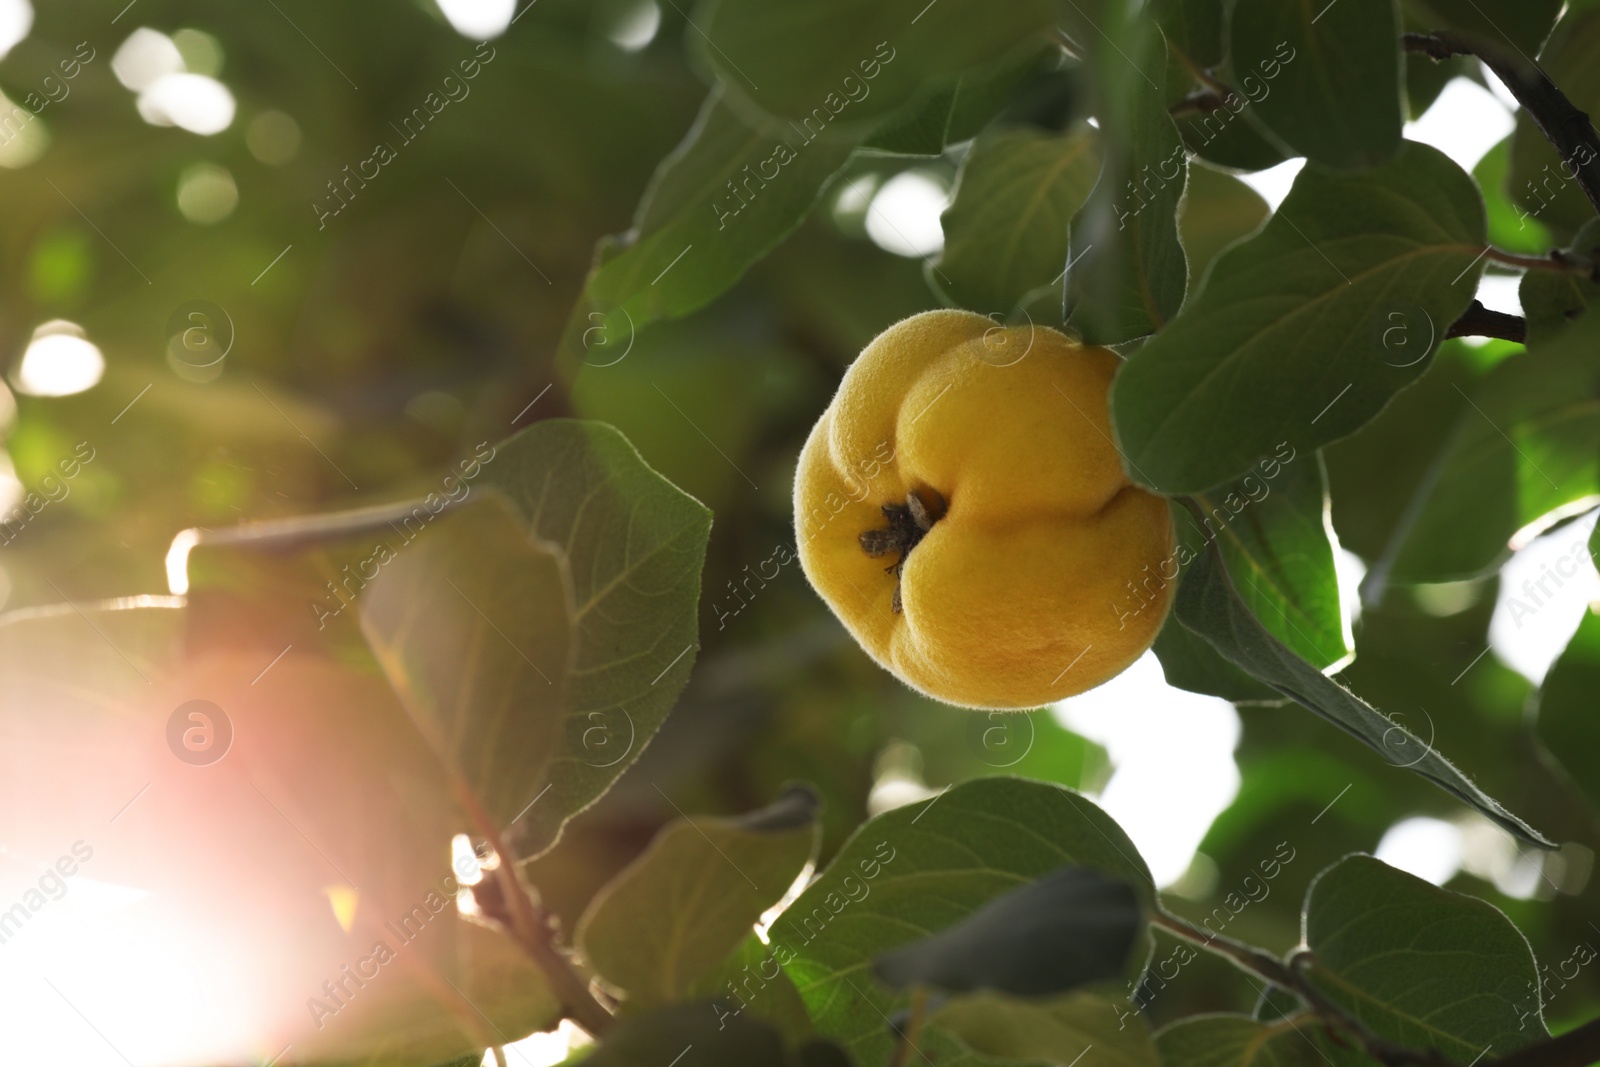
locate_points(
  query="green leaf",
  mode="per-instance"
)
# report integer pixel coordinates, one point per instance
(1208, 605)
(917, 869)
(1565, 720)
(750, 978)
(472, 626)
(956, 113)
(697, 1035)
(1522, 25)
(1426, 79)
(1074, 926)
(486, 645)
(1278, 546)
(1540, 180)
(1526, 449)
(1055, 1031)
(1336, 99)
(1552, 299)
(1126, 271)
(1419, 965)
(1217, 210)
(857, 61)
(722, 200)
(672, 915)
(1222, 136)
(1239, 1041)
(1510, 226)
(1006, 227)
(1193, 28)
(1189, 662)
(1285, 344)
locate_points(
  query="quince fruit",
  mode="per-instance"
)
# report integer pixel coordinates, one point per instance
(961, 507)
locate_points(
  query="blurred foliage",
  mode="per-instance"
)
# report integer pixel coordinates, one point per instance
(375, 347)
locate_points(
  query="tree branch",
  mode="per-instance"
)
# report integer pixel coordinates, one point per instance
(1575, 1048)
(508, 900)
(1479, 321)
(1562, 124)
(1291, 976)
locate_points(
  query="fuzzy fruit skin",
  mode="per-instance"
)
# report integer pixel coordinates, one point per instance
(1019, 595)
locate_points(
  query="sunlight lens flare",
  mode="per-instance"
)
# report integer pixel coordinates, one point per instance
(59, 361)
(479, 20)
(192, 102)
(16, 19)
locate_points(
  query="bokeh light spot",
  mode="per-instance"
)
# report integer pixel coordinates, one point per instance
(207, 193)
(59, 361)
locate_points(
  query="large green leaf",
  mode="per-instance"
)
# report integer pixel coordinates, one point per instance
(1126, 271)
(1208, 605)
(918, 869)
(1566, 721)
(1003, 1029)
(692, 1035)
(1521, 24)
(1239, 1041)
(472, 624)
(1511, 226)
(1217, 210)
(540, 653)
(1005, 232)
(1336, 99)
(679, 909)
(1189, 662)
(1074, 926)
(1193, 28)
(1276, 540)
(722, 200)
(1285, 344)
(1419, 965)
(1526, 445)
(957, 112)
(840, 60)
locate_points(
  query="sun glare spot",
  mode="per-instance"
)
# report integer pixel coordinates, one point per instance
(59, 361)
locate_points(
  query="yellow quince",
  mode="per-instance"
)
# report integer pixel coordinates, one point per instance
(961, 507)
